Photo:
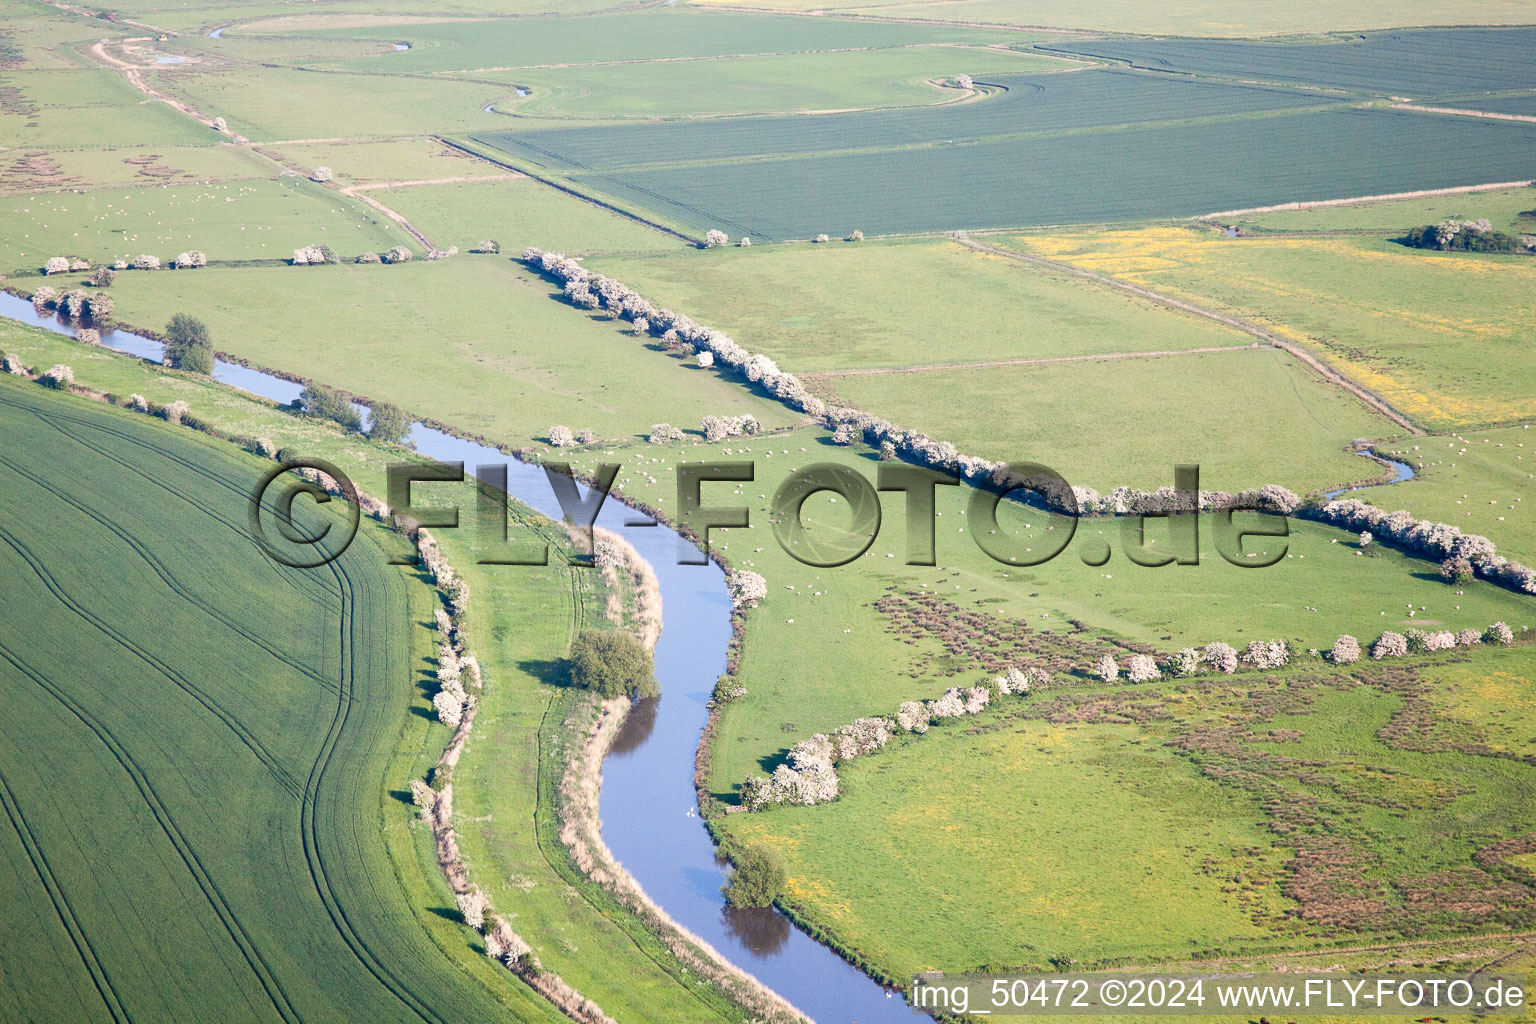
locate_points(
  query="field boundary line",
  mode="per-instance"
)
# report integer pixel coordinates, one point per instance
(1463, 112)
(573, 193)
(467, 179)
(1361, 392)
(1384, 197)
(875, 371)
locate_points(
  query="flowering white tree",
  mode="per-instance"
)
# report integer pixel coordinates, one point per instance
(397, 254)
(1366, 538)
(322, 174)
(1439, 640)
(747, 588)
(1389, 645)
(1345, 651)
(144, 261)
(715, 237)
(1266, 654)
(561, 437)
(607, 555)
(58, 376)
(1222, 657)
(1142, 669)
(1468, 637)
(976, 699)
(473, 905)
(706, 360)
(661, 433)
(56, 265)
(913, 716)
(1185, 663)
(1498, 633)
(951, 705)
(745, 242)
(1107, 669)
(963, 81)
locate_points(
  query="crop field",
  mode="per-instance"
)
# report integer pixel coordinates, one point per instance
(791, 301)
(518, 212)
(493, 353)
(1422, 65)
(1442, 336)
(289, 698)
(772, 83)
(1025, 105)
(239, 220)
(1123, 174)
(1525, 105)
(1230, 18)
(1368, 814)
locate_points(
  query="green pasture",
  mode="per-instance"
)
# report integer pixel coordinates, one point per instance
(235, 220)
(1442, 336)
(1508, 209)
(1247, 418)
(771, 83)
(135, 166)
(827, 616)
(472, 341)
(378, 161)
(793, 302)
(90, 106)
(202, 830)
(1313, 780)
(518, 212)
(1240, 18)
(632, 36)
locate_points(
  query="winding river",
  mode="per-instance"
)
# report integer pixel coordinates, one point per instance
(649, 816)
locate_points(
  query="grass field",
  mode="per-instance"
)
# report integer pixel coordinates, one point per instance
(642, 35)
(126, 166)
(472, 341)
(124, 756)
(1371, 828)
(240, 220)
(87, 107)
(370, 162)
(758, 85)
(1246, 418)
(1504, 207)
(1442, 336)
(1240, 18)
(792, 302)
(835, 616)
(519, 212)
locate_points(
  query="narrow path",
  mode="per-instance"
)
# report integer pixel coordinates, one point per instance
(135, 79)
(873, 371)
(1385, 197)
(1462, 112)
(461, 180)
(1366, 395)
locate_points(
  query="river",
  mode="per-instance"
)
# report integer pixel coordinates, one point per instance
(648, 808)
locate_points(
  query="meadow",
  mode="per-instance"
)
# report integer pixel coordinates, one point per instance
(632, 36)
(1234, 18)
(473, 341)
(233, 220)
(519, 212)
(381, 161)
(1124, 174)
(792, 303)
(1421, 65)
(770, 83)
(129, 873)
(1512, 210)
(87, 107)
(1441, 336)
(30, 171)
(1341, 824)
(858, 617)
(1247, 418)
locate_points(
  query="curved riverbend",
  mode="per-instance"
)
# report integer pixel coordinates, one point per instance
(648, 806)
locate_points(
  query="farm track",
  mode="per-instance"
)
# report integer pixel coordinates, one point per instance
(1366, 395)
(878, 371)
(61, 906)
(215, 898)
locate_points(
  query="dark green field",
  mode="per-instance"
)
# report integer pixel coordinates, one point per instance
(196, 831)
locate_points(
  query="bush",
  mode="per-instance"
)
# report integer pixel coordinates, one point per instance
(757, 878)
(728, 689)
(187, 345)
(390, 423)
(1462, 236)
(1346, 650)
(325, 403)
(611, 663)
(714, 237)
(1456, 571)
(399, 254)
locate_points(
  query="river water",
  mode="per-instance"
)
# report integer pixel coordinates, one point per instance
(649, 815)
